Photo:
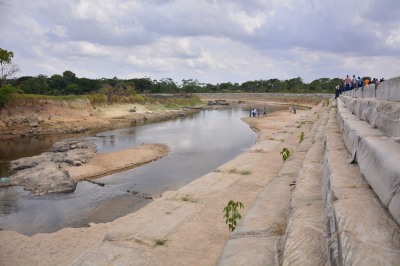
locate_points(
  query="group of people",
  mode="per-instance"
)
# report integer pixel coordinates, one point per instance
(352, 83)
(257, 112)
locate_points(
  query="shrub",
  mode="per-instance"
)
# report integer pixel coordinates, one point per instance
(7, 93)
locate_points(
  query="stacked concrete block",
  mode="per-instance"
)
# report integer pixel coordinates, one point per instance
(371, 132)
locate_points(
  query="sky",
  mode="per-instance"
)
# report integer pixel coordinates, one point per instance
(212, 41)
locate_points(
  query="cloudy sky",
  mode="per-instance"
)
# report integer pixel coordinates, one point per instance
(212, 41)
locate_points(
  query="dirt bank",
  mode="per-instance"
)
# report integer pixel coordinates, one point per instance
(78, 116)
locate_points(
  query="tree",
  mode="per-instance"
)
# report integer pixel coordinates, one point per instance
(7, 69)
(36, 85)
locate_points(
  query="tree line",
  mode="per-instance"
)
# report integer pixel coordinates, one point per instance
(68, 83)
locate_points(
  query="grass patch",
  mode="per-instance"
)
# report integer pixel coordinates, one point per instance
(160, 242)
(271, 138)
(235, 171)
(188, 197)
(245, 172)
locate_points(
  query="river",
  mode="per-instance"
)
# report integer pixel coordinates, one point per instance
(198, 145)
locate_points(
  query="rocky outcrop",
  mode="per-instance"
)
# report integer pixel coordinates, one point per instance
(45, 173)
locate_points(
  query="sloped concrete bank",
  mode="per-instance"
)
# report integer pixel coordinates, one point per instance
(341, 204)
(360, 231)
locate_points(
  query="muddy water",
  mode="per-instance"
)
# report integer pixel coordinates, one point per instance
(199, 144)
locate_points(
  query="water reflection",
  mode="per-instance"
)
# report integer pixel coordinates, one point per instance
(8, 201)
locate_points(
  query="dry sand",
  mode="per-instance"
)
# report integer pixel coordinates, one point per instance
(108, 163)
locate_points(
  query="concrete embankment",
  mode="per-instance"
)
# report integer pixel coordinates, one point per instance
(341, 205)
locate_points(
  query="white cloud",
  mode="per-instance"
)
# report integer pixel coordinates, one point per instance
(209, 40)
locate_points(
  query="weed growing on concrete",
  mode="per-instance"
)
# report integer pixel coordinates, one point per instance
(285, 154)
(301, 137)
(235, 171)
(270, 138)
(232, 171)
(245, 172)
(188, 197)
(232, 214)
(160, 242)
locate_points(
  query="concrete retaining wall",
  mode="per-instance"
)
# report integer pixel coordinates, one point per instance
(369, 119)
(388, 90)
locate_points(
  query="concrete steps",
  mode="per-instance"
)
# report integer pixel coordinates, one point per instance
(360, 229)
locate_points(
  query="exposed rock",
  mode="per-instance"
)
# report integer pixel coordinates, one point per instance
(44, 178)
(45, 173)
(30, 162)
(34, 124)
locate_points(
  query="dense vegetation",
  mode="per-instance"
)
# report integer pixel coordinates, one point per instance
(69, 83)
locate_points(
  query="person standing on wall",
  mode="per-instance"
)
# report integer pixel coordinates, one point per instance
(347, 82)
(354, 82)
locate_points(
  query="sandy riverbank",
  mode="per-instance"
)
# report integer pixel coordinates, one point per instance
(108, 163)
(190, 219)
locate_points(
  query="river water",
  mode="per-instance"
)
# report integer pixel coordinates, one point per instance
(198, 145)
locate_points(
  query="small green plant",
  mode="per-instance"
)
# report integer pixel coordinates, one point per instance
(285, 154)
(301, 137)
(317, 116)
(188, 197)
(160, 242)
(232, 214)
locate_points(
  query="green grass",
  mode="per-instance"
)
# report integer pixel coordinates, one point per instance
(188, 197)
(235, 171)
(160, 242)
